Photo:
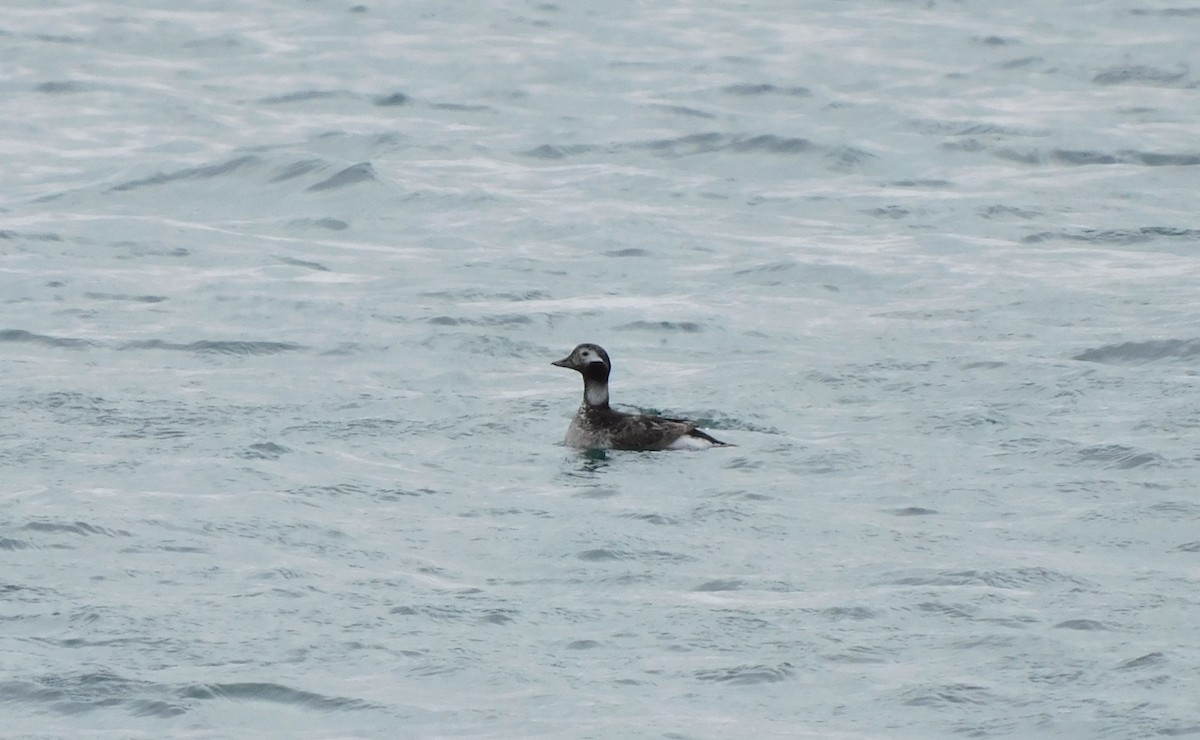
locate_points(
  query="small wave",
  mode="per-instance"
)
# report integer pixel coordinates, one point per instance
(125, 297)
(720, 584)
(859, 654)
(1140, 74)
(1002, 211)
(43, 236)
(431, 611)
(1150, 159)
(650, 518)
(500, 320)
(1149, 660)
(648, 556)
(684, 110)
(273, 692)
(317, 266)
(892, 212)
(593, 459)
(264, 451)
(1167, 12)
(464, 107)
(352, 175)
(747, 674)
(1085, 157)
(328, 224)
(1010, 578)
(688, 327)
(499, 616)
(600, 554)
(1154, 159)
(217, 347)
(340, 489)
(692, 144)
(20, 335)
(392, 100)
(715, 142)
(155, 708)
(73, 694)
(464, 295)
(958, 693)
(1118, 456)
(206, 171)
(771, 274)
(488, 615)
(1131, 353)
(1087, 625)
(302, 96)
(1117, 236)
(353, 428)
(1020, 62)
(65, 87)
(1008, 154)
(296, 169)
(848, 613)
(79, 528)
(751, 89)
(550, 151)
(58, 38)
(969, 128)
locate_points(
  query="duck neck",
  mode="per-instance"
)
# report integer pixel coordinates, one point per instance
(595, 392)
(595, 385)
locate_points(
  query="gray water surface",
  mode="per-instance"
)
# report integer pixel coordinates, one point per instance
(280, 452)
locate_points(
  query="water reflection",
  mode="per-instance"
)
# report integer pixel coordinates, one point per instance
(588, 463)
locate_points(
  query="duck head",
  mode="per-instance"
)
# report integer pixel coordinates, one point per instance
(590, 360)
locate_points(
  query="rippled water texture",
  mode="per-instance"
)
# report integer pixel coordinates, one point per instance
(280, 452)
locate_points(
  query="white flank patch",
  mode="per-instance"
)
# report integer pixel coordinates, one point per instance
(687, 442)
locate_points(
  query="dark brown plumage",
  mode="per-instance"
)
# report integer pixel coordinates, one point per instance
(598, 426)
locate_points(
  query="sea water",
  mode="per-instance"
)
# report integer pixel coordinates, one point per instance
(280, 441)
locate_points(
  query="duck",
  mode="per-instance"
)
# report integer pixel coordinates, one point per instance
(597, 426)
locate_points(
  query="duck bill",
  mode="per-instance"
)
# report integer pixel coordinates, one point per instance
(564, 362)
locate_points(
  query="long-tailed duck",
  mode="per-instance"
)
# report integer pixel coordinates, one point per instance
(598, 426)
